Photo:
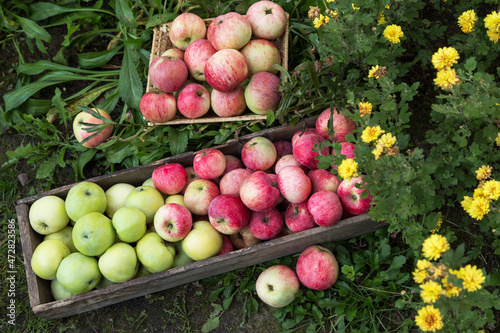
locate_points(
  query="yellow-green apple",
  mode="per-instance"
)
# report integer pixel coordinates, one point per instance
(227, 214)
(294, 184)
(229, 103)
(175, 198)
(244, 239)
(231, 182)
(174, 53)
(193, 101)
(277, 286)
(148, 182)
(298, 218)
(58, 291)
(258, 154)
(83, 198)
(173, 222)
(266, 225)
(283, 147)
(342, 125)
(105, 283)
(323, 180)
(229, 31)
(142, 271)
(226, 70)
(93, 234)
(119, 263)
(202, 242)
(153, 253)
(185, 29)
(180, 258)
(64, 235)
(304, 147)
(199, 194)
(232, 163)
(78, 273)
(350, 192)
(258, 192)
(298, 134)
(209, 163)
(116, 196)
(168, 74)
(80, 128)
(158, 107)
(47, 257)
(287, 160)
(227, 245)
(262, 94)
(48, 215)
(325, 208)
(261, 55)
(267, 18)
(195, 57)
(147, 199)
(317, 268)
(129, 223)
(169, 178)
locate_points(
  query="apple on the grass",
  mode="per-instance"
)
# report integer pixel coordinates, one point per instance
(48, 215)
(258, 193)
(323, 180)
(317, 268)
(78, 273)
(167, 73)
(169, 178)
(352, 197)
(277, 286)
(174, 53)
(80, 128)
(232, 163)
(231, 182)
(227, 214)
(129, 223)
(298, 134)
(342, 125)
(209, 163)
(116, 196)
(325, 208)
(193, 101)
(195, 57)
(266, 225)
(298, 218)
(199, 194)
(262, 94)
(119, 263)
(173, 222)
(153, 253)
(227, 245)
(228, 104)
(158, 107)
(83, 198)
(64, 235)
(244, 239)
(47, 258)
(229, 31)
(147, 199)
(294, 184)
(267, 18)
(303, 150)
(93, 234)
(226, 70)
(258, 154)
(261, 55)
(185, 29)
(202, 242)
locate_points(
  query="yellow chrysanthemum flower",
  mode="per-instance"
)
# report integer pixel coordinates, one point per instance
(483, 172)
(467, 20)
(354, 8)
(479, 207)
(320, 21)
(330, 1)
(387, 140)
(492, 21)
(423, 264)
(478, 192)
(419, 275)
(378, 151)
(466, 203)
(438, 225)
(434, 246)
(431, 291)
(497, 140)
(429, 319)
(393, 33)
(445, 57)
(381, 19)
(494, 35)
(491, 189)
(365, 108)
(472, 277)
(446, 79)
(371, 134)
(348, 169)
(438, 271)
(373, 72)
(449, 289)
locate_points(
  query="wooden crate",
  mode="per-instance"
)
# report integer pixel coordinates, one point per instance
(40, 296)
(161, 43)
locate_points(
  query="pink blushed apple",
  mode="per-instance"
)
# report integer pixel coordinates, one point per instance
(196, 56)
(350, 195)
(174, 53)
(266, 225)
(226, 70)
(244, 239)
(168, 74)
(317, 268)
(173, 222)
(170, 178)
(232, 163)
(342, 125)
(258, 154)
(298, 134)
(158, 107)
(283, 147)
(185, 29)
(80, 128)
(229, 31)
(262, 94)
(209, 163)
(231, 182)
(261, 55)
(228, 104)
(287, 160)
(227, 214)
(258, 193)
(294, 184)
(298, 218)
(193, 101)
(267, 18)
(199, 194)
(325, 208)
(323, 180)
(303, 150)
(191, 176)
(227, 245)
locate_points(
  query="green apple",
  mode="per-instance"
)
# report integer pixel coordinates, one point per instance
(64, 235)
(58, 291)
(175, 198)
(84, 198)
(48, 215)
(104, 283)
(78, 273)
(202, 242)
(129, 223)
(147, 199)
(142, 271)
(180, 258)
(148, 182)
(93, 234)
(47, 257)
(115, 197)
(153, 253)
(119, 263)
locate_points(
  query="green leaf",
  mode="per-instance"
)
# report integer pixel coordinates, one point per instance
(43, 10)
(125, 15)
(178, 140)
(210, 325)
(33, 30)
(130, 85)
(470, 64)
(270, 118)
(97, 59)
(83, 159)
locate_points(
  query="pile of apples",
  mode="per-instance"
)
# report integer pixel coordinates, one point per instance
(208, 67)
(183, 214)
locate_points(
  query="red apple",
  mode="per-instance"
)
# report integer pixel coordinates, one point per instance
(266, 225)
(303, 150)
(174, 53)
(196, 56)
(232, 163)
(79, 128)
(170, 178)
(231, 182)
(230, 103)
(199, 194)
(244, 239)
(267, 18)
(227, 245)
(317, 268)
(209, 163)
(298, 134)
(294, 184)
(258, 154)
(191, 176)
(226, 69)
(227, 214)
(261, 55)
(342, 125)
(185, 29)
(323, 180)
(351, 198)
(173, 222)
(168, 74)
(283, 147)
(287, 160)
(158, 107)
(298, 218)
(262, 94)
(193, 101)
(229, 31)
(258, 193)
(325, 208)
